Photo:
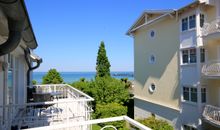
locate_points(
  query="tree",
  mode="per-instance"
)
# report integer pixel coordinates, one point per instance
(109, 90)
(102, 63)
(52, 77)
(34, 82)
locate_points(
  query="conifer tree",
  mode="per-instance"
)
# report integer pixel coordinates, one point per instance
(52, 77)
(102, 63)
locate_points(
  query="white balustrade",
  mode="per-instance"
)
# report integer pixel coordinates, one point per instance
(212, 115)
(211, 69)
(210, 28)
(69, 105)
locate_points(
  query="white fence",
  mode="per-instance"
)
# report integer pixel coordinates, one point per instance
(210, 28)
(81, 125)
(212, 115)
(67, 105)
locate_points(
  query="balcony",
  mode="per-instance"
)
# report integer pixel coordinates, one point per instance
(56, 107)
(211, 31)
(52, 105)
(211, 114)
(211, 69)
(134, 125)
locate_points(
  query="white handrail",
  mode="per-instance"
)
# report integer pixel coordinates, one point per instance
(96, 121)
(212, 27)
(212, 114)
(211, 68)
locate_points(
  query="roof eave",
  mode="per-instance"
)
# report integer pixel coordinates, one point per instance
(33, 44)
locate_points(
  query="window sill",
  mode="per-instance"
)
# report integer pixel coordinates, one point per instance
(188, 64)
(189, 102)
(189, 30)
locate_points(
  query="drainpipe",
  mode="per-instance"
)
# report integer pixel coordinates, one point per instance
(30, 68)
(15, 26)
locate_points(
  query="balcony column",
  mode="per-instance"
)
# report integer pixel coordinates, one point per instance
(198, 63)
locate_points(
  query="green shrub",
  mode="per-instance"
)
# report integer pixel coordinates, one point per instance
(110, 110)
(34, 82)
(156, 124)
(108, 90)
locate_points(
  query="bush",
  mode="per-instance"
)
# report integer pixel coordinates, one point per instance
(83, 85)
(34, 82)
(110, 110)
(108, 90)
(156, 124)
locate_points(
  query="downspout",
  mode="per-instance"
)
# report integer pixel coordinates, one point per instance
(15, 27)
(30, 68)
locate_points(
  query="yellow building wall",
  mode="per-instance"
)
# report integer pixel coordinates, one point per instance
(164, 73)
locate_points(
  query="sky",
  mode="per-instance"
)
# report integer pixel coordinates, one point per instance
(69, 32)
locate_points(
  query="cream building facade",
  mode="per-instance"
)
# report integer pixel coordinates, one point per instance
(177, 65)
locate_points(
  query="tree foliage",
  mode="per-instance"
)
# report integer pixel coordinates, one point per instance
(156, 124)
(102, 63)
(110, 110)
(109, 90)
(52, 77)
(34, 82)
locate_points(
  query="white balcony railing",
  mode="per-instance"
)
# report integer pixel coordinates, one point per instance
(211, 114)
(65, 105)
(211, 69)
(210, 28)
(134, 125)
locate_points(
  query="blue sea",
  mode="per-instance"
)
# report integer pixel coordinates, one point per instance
(70, 77)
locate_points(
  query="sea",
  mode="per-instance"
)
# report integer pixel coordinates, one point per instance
(70, 77)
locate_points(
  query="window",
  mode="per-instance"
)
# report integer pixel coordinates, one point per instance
(202, 20)
(194, 94)
(152, 33)
(192, 21)
(185, 24)
(185, 56)
(202, 55)
(152, 88)
(192, 55)
(189, 56)
(186, 93)
(203, 95)
(190, 94)
(186, 127)
(152, 59)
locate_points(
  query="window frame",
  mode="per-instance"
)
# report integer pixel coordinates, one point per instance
(201, 21)
(184, 24)
(194, 94)
(190, 95)
(190, 56)
(203, 93)
(192, 21)
(187, 92)
(202, 55)
(188, 23)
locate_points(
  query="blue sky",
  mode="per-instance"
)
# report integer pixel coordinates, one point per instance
(69, 31)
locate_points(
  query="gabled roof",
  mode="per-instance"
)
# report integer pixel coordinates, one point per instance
(163, 12)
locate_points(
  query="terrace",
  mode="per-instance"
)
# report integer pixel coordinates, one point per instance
(57, 106)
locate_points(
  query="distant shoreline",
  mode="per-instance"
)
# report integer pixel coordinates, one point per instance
(70, 77)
